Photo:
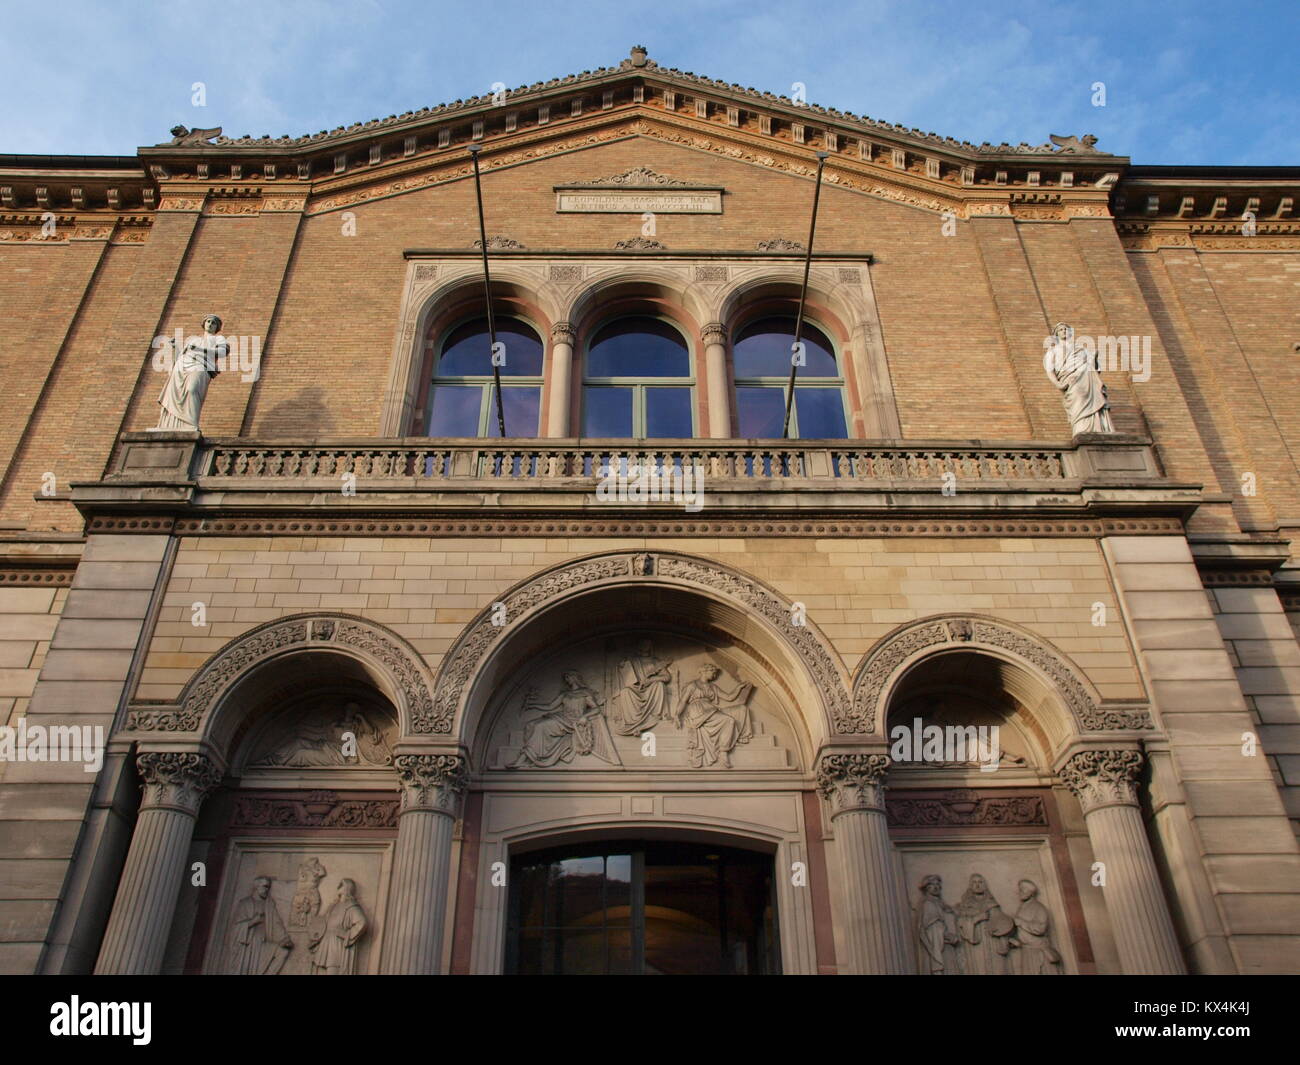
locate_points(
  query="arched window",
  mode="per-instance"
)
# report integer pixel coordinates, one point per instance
(762, 352)
(460, 395)
(637, 382)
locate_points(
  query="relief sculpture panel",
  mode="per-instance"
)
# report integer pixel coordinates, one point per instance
(1001, 925)
(642, 701)
(299, 911)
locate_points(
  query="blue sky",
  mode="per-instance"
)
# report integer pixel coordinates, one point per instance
(1190, 83)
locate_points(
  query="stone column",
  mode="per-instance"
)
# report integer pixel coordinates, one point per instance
(417, 905)
(174, 786)
(557, 412)
(1105, 784)
(714, 336)
(877, 920)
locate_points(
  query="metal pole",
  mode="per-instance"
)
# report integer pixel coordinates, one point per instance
(487, 294)
(803, 294)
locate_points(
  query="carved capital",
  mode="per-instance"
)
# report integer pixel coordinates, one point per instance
(431, 781)
(714, 333)
(176, 779)
(1103, 778)
(562, 333)
(853, 781)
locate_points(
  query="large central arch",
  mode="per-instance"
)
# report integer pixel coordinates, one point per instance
(733, 601)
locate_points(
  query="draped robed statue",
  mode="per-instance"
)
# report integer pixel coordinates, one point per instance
(192, 368)
(1072, 368)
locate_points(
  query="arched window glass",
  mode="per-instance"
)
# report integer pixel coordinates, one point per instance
(460, 396)
(762, 352)
(637, 382)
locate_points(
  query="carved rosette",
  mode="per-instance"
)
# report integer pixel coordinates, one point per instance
(853, 781)
(176, 779)
(714, 333)
(431, 781)
(563, 333)
(1103, 778)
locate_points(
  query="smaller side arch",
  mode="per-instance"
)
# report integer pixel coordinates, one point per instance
(393, 664)
(879, 673)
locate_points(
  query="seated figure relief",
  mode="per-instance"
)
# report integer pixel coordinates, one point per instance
(977, 938)
(658, 710)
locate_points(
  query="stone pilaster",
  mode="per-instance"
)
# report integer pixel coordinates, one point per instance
(431, 786)
(174, 786)
(1105, 783)
(876, 918)
(560, 383)
(718, 398)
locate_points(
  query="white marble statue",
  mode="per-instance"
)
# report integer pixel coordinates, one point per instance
(570, 725)
(642, 700)
(187, 381)
(1073, 369)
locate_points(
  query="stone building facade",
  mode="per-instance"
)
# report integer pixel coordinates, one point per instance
(382, 689)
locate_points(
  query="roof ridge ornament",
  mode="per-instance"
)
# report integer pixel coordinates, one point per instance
(638, 59)
(184, 137)
(1071, 145)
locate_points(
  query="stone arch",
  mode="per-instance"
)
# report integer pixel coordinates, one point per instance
(626, 279)
(1073, 704)
(201, 710)
(467, 674)
(839, 317)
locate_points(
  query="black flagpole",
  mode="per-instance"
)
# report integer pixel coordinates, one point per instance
(803, 294)
(487, 292)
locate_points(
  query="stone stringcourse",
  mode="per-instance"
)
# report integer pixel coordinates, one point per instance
(239, 656)
(893, 650)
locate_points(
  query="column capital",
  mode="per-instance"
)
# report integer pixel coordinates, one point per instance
(562, 333)
(176, 779)
(714, 333)
(431, 781)
(1103, 778)
(853, 781)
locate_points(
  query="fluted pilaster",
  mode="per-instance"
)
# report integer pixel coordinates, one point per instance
(431, 788)
(1105, 783)
(876, 922)
(174, 786)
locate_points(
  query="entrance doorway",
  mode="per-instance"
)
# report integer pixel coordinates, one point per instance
(633, 907)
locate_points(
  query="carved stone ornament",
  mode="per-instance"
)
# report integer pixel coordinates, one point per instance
(431, 781)
(781, 244)
(320, 809)
(1073, 145)
(500, 243)
(184, 137)
(266, 641)
(965, 807)
(639, 244)
(638, 177)
(853, 781)
(714, 333)
(563, 333)
(176, 779)
(463, 661)
(882, 664)
(1103, 778)
(978, 937)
